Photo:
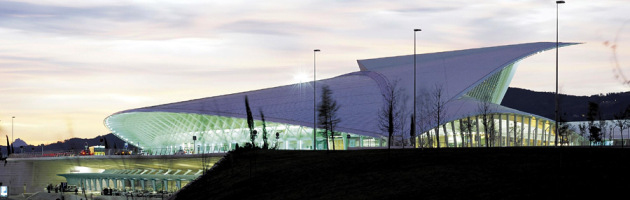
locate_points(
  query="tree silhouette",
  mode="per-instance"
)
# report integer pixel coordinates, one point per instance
(391, 114)
(593, 129)
(412, 132)
(250, 122)
(264, 129)
(437, 107)
(484, 109)
(327, 116)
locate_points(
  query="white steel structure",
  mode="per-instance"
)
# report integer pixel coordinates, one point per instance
(467, 79)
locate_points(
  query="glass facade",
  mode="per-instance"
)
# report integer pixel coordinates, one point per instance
(160, 133)
(493, 88)
(501, 130)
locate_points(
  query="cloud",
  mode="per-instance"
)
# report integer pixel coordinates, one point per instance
(266, 27)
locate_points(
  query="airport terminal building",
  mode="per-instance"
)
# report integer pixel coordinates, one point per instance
(466, 80)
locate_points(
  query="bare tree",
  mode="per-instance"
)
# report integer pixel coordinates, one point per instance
(402, 119)
(465, 127)
(603, 128)
(437, 109)
(391, 117)
(582, 127)
(412, 132)
(564, 130)
(327, 116)
(623, 121)
(424, 117)
(485, 111)
(462, 131)
(594, 130)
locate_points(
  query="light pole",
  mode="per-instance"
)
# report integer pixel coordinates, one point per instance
(414, 76)
(314, 102)
(12, 138)
(557, 5)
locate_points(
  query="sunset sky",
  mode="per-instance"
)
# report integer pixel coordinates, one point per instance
(66, 65)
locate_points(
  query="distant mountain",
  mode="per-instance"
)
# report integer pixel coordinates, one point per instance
(19, 142)
(72, 144)
(572, 108)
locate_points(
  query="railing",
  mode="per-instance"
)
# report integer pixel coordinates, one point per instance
(44, 154)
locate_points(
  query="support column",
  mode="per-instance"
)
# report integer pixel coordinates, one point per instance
(445, 135)
(345, 141)
(178, 184)
(95, 183)
(508, 128)
(360, 141)
(529, 132)
(500, 130)
(108, 179)
(142, 184)
(551, 127)
(477, 126)
(522, 130)
(123, 182)
(116, 183)
(153, 185)
(133, 184)
(536, 133)
(462, 134)
(542, 137)
(491, 134)
(454, 135)
(165, 185)
(515, 132)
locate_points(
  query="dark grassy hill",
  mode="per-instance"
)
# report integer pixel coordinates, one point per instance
(477, 173)
(573, 108)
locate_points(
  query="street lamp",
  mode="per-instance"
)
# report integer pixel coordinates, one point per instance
(414, 75)
(314, 101)
(194, 143)
(557, 5)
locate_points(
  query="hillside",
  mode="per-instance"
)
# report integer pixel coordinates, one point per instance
(72, 144)
(462, 173)
(572, 108)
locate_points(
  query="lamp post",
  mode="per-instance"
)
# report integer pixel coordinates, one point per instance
(194, 144)
(314, 102)
(557, 5)
(414, 76)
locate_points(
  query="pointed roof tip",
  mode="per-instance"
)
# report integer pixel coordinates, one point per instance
(366, 64)
(571, 43)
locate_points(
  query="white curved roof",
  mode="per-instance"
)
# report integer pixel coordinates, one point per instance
(359, 94)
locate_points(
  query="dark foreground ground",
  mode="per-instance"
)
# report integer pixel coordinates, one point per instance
(476, 173)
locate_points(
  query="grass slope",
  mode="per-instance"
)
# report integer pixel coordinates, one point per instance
(471, 173)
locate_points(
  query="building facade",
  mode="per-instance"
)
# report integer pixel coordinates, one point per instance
(468, 84)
